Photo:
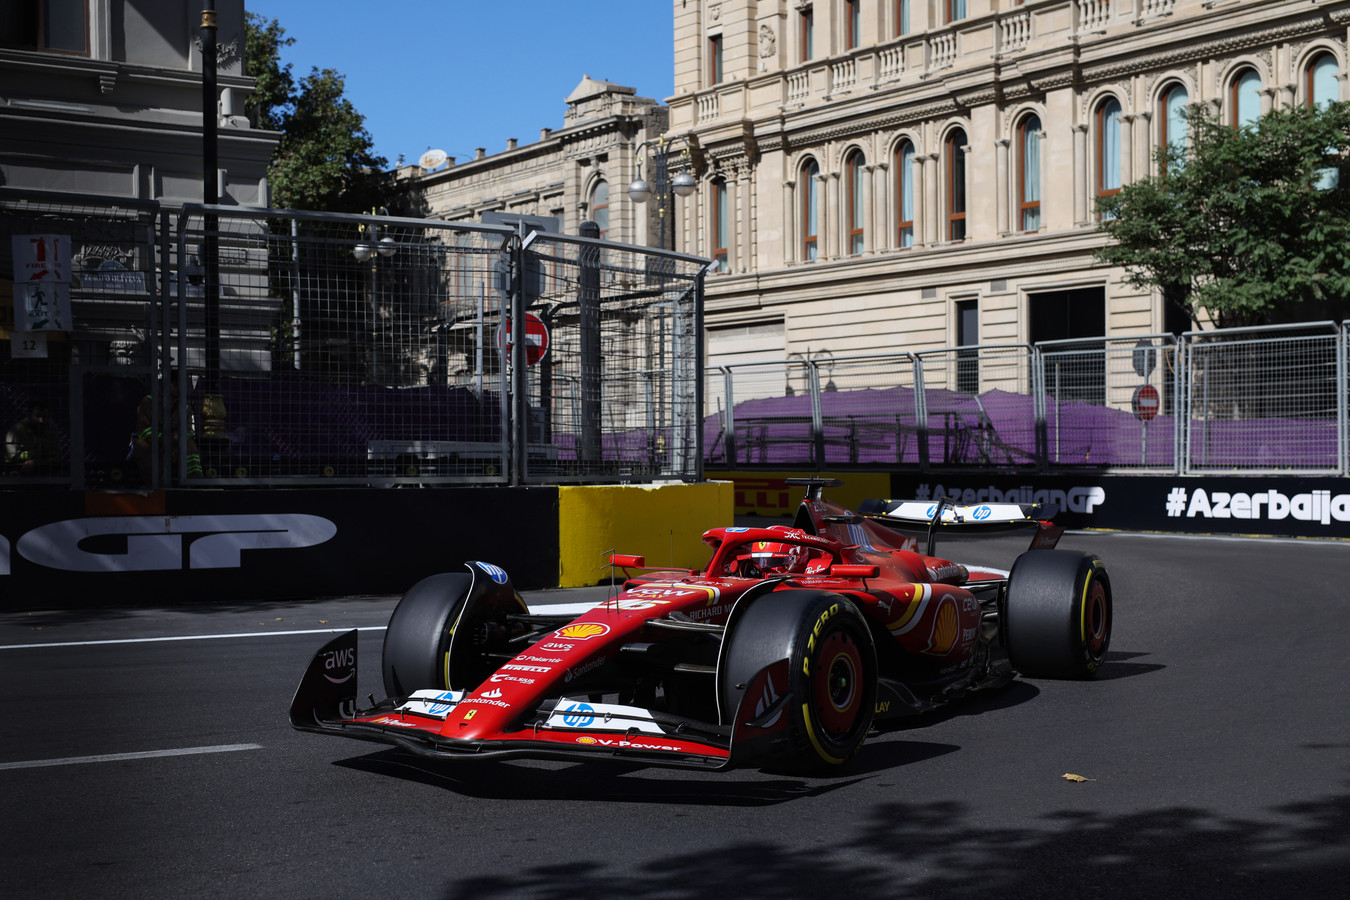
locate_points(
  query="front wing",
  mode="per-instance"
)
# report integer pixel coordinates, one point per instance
(563, 727)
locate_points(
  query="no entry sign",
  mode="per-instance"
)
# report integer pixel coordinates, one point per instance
(1146, 402)
(536, 338)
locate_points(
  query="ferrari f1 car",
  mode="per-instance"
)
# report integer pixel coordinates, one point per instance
(780, 653)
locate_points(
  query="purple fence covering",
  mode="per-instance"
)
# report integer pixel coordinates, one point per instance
(998, 429)
(290, 422)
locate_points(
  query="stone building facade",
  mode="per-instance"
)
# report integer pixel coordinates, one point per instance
(882, 175)
(104, 97)
(572, 174)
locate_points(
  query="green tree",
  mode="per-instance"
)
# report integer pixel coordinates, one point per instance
(1245, 223)
(274, 86)
(326, 159)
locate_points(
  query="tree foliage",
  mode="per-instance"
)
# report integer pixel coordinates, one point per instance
(1243, 223)
(273, 83)
(326, 159)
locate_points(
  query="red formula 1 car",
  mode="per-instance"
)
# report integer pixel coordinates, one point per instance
(779, 653)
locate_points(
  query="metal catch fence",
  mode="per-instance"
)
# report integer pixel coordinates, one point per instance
(1267, 400)
(224, 345)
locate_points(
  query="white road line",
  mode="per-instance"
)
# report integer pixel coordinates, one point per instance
(574, 609)
(115, 757)
(188, 637)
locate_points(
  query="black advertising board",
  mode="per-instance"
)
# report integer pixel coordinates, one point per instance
(101, 549)
(1308, 507)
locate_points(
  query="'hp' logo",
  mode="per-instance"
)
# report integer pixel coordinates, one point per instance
(981, 512)
(578, 715)
(496, 573)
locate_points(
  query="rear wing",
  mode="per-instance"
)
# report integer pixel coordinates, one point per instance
(935, 515)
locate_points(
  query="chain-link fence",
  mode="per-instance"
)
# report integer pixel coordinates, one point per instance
(982, 406)
(78, 295)
(1268, 400)
(230, 346)
(1112, 400)
(618, 391)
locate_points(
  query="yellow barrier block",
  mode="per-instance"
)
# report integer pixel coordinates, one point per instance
(664, 523)
(763, 493)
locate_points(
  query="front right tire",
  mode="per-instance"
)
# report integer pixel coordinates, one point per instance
(832, 673)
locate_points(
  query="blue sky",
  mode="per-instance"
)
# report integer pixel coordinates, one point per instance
(460, 74)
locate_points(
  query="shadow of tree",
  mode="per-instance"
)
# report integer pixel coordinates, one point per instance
(942, 850)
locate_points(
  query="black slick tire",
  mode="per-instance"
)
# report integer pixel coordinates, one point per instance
(832, 673)
(418, 638)
(1057, 614)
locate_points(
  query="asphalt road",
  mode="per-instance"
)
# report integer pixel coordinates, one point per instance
(1216, 747)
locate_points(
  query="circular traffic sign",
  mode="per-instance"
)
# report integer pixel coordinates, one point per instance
(536, 338)
(1146, 402)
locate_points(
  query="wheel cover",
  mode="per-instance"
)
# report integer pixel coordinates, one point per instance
(838, 688)
(1096, 621)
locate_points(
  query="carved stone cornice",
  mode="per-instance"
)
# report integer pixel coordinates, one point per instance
(1206, 49)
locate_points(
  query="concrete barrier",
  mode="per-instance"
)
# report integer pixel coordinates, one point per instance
(664, 523)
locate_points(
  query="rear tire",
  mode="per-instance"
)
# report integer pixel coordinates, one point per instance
(832, 672)
(1057, 616)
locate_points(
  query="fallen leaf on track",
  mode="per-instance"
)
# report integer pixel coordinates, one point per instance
(1069, 776)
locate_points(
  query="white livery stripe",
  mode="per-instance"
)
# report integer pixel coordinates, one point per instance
(188, 637)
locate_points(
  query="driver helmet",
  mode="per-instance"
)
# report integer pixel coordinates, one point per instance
(770, 557)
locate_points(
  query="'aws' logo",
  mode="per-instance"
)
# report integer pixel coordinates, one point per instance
(155, 543)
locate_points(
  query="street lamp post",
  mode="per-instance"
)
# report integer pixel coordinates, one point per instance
(663, 185)
(369, 247)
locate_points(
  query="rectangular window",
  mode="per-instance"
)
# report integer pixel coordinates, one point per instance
(715, 71)
(852, 24)
(956, 10)
(808, 34)
(1029, 174)
(906, 175)
(902, 16)
(720, 255)
(810, 211)
(967, 335)
(60, 26)
(956, 187)
(1108, 148)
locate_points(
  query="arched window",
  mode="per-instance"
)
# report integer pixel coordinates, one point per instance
(1172, 117)
(1323, 84)
(1108, 147)
(1244, 98)
(956, 185)
(904, 176)
(1029, 173)
(853, 171)
(600, 208)
(719, 223)
(810, 187)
